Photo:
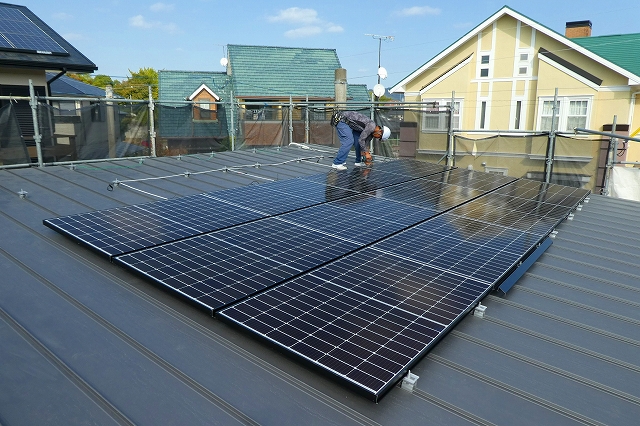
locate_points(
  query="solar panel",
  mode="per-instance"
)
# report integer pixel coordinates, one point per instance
(218, 268)
(365, 318)
(125, 229)
(19, 32)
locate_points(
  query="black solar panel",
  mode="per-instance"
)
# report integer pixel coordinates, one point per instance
(365, 318)
(219, 268)
(18, 32)
(125, 229)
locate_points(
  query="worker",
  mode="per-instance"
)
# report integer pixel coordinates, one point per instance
(355, 129)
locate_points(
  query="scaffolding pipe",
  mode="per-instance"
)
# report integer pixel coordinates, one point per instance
(36, 128)
(290, 119)
(152, 128)
(548, 170)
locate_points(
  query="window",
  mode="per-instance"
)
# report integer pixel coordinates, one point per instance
(524, 57)
(66, 107)
(547, 116)
(436, 118)
(577, 115)
(570, 112)
(483, 113)
(516, 125)
(204, 106)
(484, 65)
(523, 70)
(203, 109)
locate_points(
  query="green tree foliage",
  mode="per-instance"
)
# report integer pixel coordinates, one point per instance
(137, 86)
(99, 80)
(134, 87)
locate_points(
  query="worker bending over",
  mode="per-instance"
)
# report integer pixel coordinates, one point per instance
(355, 129)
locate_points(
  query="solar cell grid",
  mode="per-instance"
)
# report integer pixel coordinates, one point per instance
(124, 229)
(19, 32)
(410, 168)
(364, 328)
(429, 194)
(359, 179)
(472, 179)
(221, 267)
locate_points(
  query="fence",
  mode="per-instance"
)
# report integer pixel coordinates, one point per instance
(53, 130)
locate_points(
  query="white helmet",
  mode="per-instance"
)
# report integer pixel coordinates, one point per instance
(386, 132)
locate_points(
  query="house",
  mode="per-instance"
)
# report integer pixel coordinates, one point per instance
(29, 49)
(86, 341)
(503, 75)
(260, 79)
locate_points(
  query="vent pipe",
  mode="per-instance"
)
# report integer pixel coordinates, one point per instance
(341, 86)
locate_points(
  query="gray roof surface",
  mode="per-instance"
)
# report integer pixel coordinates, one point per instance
(86, 342)
(67, 86)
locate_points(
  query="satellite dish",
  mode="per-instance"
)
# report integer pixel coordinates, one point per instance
(382, 72)
(224, 62)
(378, 90)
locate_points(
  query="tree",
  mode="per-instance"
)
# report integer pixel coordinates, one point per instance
(99, 80)
(137, 86)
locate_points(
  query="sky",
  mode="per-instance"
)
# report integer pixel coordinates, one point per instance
(122, 36)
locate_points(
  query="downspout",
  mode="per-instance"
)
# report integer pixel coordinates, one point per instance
(54, 78)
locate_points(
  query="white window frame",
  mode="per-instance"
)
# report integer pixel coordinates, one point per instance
(562, 116)
(520, 63)
(442, 124)
(484, 66)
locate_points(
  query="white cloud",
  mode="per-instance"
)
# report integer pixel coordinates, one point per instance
(62, 16)
(140, 21)
(161, 7)
(303, 32)
(418, 10)
(307, 23)
(73, 36)
(296, 15)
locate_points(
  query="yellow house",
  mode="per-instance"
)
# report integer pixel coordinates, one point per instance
(503, 75)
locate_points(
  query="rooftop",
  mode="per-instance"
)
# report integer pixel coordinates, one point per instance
(85, 341)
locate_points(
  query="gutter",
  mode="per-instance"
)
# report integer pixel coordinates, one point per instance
(54, 78)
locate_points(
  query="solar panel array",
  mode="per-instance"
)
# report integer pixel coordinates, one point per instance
(19, 32)
(359, 272)
(368, 317)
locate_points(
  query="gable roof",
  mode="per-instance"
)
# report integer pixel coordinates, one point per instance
(205, 88)
(634, 77)
(74, 61)
(280, 72)
(179, 85)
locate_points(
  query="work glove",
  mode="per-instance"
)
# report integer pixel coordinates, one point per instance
(368, 159)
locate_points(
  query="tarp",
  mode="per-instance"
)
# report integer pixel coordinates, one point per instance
(625, 183)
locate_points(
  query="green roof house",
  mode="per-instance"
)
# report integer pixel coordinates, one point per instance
(257, 77)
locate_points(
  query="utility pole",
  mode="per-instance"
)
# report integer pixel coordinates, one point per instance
(380, 38)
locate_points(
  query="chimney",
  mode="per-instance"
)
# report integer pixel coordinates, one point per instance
(340, 85)
(577, 29)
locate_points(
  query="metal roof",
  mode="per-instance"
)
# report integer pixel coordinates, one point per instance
(621, 49)
(67, 86)
(84, 341)
(280, 72)
(75, 61)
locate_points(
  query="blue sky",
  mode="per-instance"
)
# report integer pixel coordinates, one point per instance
(119, 35)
